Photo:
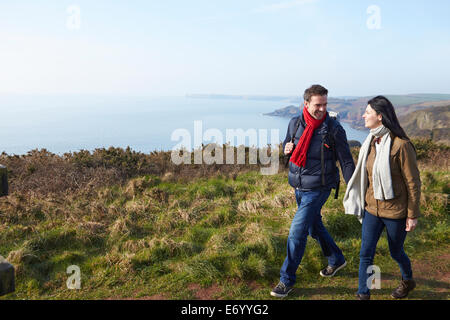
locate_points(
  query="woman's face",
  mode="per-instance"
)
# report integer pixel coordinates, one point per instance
(371, 118)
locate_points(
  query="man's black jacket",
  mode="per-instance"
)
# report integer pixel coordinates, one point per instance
(310, 177)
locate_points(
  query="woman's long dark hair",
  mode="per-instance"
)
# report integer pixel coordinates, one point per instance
(383, 106)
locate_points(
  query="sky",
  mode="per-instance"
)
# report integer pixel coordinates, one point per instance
(268, 47)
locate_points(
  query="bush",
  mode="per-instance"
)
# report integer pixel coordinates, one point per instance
(41, 172)
(426, 148)
(354, 144)
(127, 162)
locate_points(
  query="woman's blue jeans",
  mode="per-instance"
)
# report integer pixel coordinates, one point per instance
(308, 220)
(372, 227)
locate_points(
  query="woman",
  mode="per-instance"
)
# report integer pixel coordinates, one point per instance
(384, 191)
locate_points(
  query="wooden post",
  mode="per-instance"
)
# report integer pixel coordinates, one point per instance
(3, 181)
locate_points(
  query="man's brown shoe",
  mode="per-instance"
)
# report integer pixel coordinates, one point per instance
(403, 289)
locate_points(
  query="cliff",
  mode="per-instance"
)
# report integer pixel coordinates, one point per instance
(432, 123)
(422, 115)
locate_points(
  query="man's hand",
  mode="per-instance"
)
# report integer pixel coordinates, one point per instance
(288, 148)
(411, 224)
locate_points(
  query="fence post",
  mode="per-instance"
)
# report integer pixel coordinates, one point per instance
(3, 181)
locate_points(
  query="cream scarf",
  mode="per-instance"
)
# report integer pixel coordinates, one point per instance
(354, 198)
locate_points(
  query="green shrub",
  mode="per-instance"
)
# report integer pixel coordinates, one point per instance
(426, 147)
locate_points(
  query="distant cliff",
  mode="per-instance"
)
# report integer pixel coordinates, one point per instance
(288, 112)
(290, 99)
(432, 123)
(351, 110)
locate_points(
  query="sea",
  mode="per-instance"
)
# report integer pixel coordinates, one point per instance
(70, 123)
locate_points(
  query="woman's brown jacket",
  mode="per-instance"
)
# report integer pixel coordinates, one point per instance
(405, 181)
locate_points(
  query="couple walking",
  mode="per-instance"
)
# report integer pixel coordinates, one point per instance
(383, 191)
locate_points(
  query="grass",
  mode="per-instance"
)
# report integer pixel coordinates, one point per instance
(217, 237)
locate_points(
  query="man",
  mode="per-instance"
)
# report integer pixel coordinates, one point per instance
(315, 146)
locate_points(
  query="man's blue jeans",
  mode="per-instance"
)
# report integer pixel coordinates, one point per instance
(308, 220)
(372, 227)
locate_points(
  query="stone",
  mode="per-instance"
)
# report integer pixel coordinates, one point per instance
(7, 281)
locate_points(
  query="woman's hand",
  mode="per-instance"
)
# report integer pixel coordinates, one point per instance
(411, 224)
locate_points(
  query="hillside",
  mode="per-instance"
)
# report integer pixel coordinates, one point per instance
(432, 123)
(351, 110)
(153, 230)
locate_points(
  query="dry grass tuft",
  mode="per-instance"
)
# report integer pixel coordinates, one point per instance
(251, 206)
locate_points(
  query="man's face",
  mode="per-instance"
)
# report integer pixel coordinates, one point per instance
(317, 107)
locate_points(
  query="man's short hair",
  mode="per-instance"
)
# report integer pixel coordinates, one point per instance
(315, 90)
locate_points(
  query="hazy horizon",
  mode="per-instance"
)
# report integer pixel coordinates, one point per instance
(192, 95)
(65, 125)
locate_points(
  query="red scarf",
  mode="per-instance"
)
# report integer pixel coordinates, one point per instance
(299, 155)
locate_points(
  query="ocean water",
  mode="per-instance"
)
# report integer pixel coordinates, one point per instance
(70, 123)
